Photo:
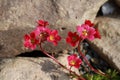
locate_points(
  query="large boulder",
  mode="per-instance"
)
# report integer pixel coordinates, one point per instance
(18, 17)
(30, 69)
(108, 47)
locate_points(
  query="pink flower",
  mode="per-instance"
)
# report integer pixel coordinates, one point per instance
(86, 32)
(54, 37)
(30, 41)
(72, 38)
(97, 34)
(73, 60)
(42, 23)
(89, 23)
(42, 33)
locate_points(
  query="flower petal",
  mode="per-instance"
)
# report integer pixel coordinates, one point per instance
(26, 37)
(32, 35)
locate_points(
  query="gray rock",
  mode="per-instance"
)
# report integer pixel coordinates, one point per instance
(108, 47)
(30, 69)
(21, 15)
(11, 42)
(108, 8)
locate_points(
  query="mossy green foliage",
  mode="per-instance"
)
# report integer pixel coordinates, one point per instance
(112, 73)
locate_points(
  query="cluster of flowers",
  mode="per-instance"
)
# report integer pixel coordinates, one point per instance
(42, 33)
(84, 31)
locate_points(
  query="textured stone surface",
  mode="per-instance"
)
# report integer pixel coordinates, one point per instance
(17, 14)
(109, 46)
(11, 42)
(30, 69)
(21, 15)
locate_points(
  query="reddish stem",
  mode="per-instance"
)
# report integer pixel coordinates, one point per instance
(70, 69)
(86, 60)
(80, 77)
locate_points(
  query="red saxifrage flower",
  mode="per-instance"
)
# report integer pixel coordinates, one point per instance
(89, 23)
(86, 32)
(72, 38)
(54, 37)
(30, 41)
(73, 60)
(42, 33)
(42, 23)
(97, 34)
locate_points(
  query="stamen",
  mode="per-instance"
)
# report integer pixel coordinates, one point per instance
(32, 41)
(72, 62)
(74, 38)
(52, 38)
(84, 32)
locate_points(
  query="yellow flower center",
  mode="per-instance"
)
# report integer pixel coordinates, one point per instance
(74, 38)
(52, 38)
(72, 62)
(32, 41)
(84, 32)
(43, 36)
